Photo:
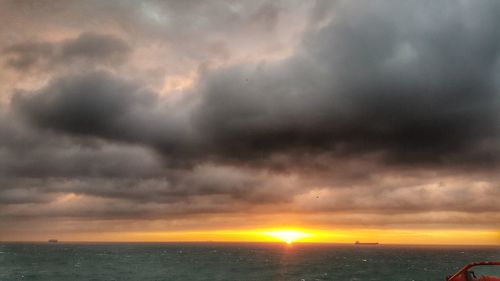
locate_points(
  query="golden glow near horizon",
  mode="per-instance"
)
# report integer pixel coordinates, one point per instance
(288, 236)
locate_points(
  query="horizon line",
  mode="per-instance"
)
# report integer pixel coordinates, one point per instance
(234, 242)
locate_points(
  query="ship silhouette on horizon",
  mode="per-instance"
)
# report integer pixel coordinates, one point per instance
(366, 243)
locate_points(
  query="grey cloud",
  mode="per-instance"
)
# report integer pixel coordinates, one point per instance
(24, 56)
(447, 196)
(28, 156)
(196, 31)
(366, 83)
(361, 84)
(374, 90)
(90, 104)
(87, 47)
(94, 46)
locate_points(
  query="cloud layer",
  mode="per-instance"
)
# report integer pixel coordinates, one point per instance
(362, 110)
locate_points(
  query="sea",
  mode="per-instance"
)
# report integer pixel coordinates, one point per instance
(233, 261)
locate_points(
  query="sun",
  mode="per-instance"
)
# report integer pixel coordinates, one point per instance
(288, 236)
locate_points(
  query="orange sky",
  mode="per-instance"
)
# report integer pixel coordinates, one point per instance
(383, 236)
(445, 237)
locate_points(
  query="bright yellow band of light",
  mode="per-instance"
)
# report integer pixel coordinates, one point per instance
(289, 235)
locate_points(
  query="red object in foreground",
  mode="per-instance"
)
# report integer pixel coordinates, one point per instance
(466, 274)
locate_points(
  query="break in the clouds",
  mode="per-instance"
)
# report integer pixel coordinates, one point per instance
(347, 113)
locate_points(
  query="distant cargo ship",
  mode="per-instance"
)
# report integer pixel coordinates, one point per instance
(369, 243)
(53, 241)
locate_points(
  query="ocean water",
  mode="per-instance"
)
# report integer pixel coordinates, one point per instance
(233, 261)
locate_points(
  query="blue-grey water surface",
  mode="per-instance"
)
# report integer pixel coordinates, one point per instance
(231, 261)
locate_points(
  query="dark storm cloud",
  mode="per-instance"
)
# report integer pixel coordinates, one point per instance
(86, 47)
(368, 82)
(379, 103)
(365, 83)
(89, 104)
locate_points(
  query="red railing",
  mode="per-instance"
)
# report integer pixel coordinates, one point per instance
(461, 275)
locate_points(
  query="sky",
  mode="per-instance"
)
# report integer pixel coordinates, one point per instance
(224, 120)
